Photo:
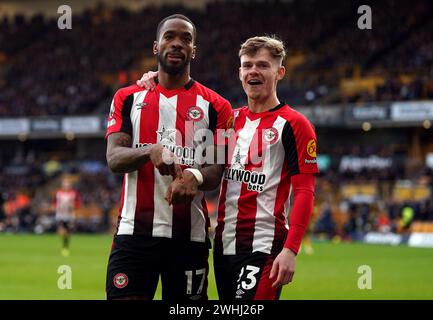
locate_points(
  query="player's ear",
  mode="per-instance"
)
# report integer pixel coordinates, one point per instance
(281, 72)
(240, 73)
(155, 47)
(194, 51)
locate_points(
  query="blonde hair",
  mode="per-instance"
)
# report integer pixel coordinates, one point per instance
(274, 45)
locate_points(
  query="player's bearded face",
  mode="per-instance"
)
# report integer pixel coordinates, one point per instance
(173, 62)
(175, 46)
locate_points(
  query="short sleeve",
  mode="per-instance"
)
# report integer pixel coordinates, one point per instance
(300, 145)
(119, 119)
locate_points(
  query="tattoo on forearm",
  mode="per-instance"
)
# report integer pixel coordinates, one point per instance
(121, 160)
(123, 141)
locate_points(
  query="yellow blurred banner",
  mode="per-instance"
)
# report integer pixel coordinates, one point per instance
(409, 192)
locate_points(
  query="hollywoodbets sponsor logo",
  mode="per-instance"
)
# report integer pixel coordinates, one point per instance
(255, 180)
(185, 155)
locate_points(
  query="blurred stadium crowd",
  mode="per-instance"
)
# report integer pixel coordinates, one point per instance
(51, 71)
(47, 71)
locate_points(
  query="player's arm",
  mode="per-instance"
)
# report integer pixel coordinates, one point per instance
(209, 177)
(184, 190)
(122, 158)
(284, 265)
(300, 148)
(298, 136)
(303, 202)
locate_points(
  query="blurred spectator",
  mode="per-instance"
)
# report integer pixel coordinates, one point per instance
(51, 167)
(354, 226)
(407, 215)
(383, 223)
(324, 223)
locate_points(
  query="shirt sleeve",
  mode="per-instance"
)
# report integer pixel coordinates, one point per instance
(119, 118)
(300, 144)
(303, 192)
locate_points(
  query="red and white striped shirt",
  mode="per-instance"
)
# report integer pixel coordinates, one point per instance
(66, 202)
(167, 117)
(268, 148)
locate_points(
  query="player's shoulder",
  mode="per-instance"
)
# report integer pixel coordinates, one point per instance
(124, 92)
(240, 111)
(209, 94)
(294, 117)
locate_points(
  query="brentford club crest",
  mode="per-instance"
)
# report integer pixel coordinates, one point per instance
(270, 135)
(120, 280)
(194, 114)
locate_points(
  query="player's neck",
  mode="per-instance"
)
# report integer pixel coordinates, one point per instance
(262, 105)
(170, 82)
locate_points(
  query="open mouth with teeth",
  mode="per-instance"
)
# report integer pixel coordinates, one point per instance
(254, 82)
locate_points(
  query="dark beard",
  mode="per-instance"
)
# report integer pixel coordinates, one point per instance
(172, 70)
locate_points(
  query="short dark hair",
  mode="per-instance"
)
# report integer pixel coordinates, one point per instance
(176, 16)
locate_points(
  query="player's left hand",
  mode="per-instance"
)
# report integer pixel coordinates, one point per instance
(147, 80)
(182, 190)
(283, 268)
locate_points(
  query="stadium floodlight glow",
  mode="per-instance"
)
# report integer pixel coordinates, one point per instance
(426, 124)
(366, 126)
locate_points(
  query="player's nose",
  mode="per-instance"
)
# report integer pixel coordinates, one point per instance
(253, 71)
(177, 43)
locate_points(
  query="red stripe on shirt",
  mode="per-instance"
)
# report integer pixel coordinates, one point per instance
(145, 207)
(182, 212)
(220, 220)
